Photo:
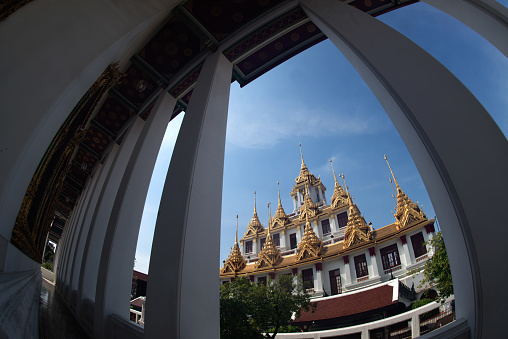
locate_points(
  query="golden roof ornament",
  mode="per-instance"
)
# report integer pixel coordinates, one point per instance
(305, 176)
(310, 246)
(357, 231)
(280, 219)
(235, 262)
(407, 211)
(270, 255)
(340, 197)
(254, 228)
(308, 209)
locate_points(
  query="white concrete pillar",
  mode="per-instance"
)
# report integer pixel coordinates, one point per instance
(487, 17)
(282, 239)
(443, 125)
(93, 246)
(415, 325)
(114, 279)
(347, 272)
(373, 267)
(318, 284)
(79, 211)
(84, 227)
(187, 232)
(299, 230)
(406, 256)
(333, 224)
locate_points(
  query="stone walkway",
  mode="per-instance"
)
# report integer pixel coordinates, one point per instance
(55, 319)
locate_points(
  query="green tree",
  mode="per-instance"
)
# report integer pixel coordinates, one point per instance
(249, 309)
(437, 269)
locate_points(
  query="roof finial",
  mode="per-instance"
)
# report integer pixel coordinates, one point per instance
(334, 176)
(255, 202)
(236, 236)
(269, 217)
(395, 180)
(278, 189)
(301, 154)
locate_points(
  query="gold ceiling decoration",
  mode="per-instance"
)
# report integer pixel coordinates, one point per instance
(280, 219)
(407, 211)
(255, 227)
(270, 255)
(357, 231)
(235, 261)
(310, 246)
(340, 197)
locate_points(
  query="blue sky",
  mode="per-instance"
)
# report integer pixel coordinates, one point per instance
(317, 99)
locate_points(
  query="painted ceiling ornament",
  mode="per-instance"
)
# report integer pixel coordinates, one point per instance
(235, 262)
(340, 197)
(407, 211)
(308, 209)
(357, 231)
(280, 219)
(310, 246)
(270, 255)
(254, 228)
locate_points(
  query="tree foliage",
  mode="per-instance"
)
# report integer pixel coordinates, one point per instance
(248, 309)
(437, 269)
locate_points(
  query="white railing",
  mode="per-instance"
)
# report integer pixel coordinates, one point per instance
(138, 316)
(413, 317)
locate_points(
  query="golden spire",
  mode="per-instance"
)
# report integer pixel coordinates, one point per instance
(269, 254)
(308, 206)
(280, 219)
(339, 197)
(310, 246)
(235, 262)
(407, 211)
(395, 180)
(301, 155)
(255, 227)
(357, 230)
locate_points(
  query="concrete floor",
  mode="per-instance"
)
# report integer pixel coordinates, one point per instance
(55, 319)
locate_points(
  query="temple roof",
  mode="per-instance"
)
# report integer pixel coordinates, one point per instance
(343, 305)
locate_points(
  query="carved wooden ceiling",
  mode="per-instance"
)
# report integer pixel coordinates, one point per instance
(255, 36)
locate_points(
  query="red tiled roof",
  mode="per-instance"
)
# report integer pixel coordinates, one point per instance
(140, 276)
(351, 303)
(137, 302)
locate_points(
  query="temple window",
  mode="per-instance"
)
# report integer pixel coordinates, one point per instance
(262, 243)
(248, 246)
(292, 240)
(361, 266)
(335, 281)
(308, 278)
(262, 280)
(342, 219)
(390, 256)
(276, 239)
(325, 225)
(418, 243)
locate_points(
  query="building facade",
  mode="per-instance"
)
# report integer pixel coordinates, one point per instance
(329, 242)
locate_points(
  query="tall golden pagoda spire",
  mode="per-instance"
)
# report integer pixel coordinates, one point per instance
(235, 262)
(255, 227)
(357, 230)
(310, 246)
(280, 219)
(407, 211)
(339, 197)
(270, 255)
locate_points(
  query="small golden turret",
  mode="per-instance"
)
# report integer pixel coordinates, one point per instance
(235, 262)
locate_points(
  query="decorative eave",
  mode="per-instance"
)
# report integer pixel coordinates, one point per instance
(254, 228)
(335, 250)
(270, 255)
(310, 246)
(340, 196)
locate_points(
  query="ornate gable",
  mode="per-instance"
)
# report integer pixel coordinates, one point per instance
(280, 219)
(254, 228)
(357, 231)
(340, 197)
(235, 262)
(310, 246)
(407, 211)
(308, 209)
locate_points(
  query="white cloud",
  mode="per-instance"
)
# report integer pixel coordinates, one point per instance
(262, 127)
